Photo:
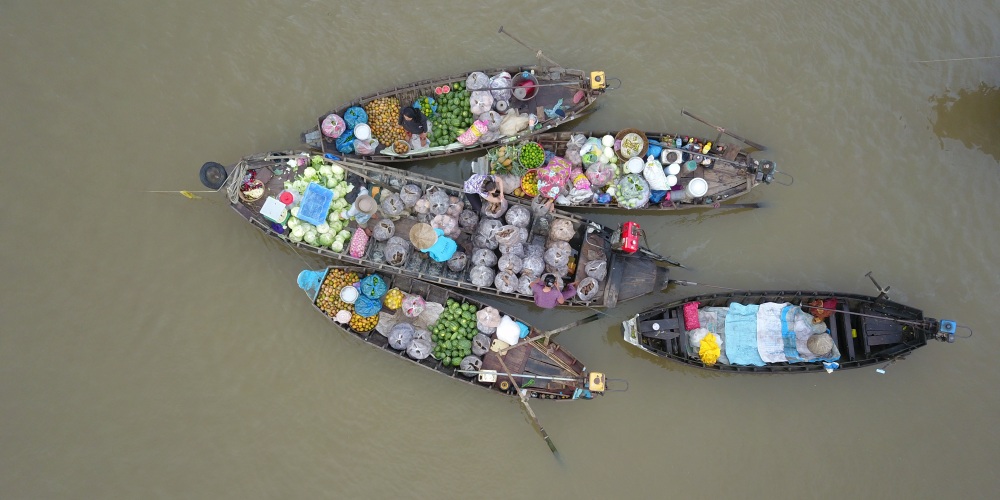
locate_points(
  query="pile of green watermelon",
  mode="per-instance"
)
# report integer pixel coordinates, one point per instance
(453, 331)
(452, 117)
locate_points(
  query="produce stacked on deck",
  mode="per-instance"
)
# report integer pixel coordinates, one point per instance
(452, 116)
(333, 233)
(383, 117)
(532, 155)
(328, 299)
(453, 332)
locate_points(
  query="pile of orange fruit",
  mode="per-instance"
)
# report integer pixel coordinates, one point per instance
(383, 118)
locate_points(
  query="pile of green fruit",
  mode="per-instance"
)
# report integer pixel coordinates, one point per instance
(452, 117)
(532, 155)
(453, 331)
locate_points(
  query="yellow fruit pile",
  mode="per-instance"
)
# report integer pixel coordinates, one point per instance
(383, 118)
(328, 298)
(393, 299)
(361, 324)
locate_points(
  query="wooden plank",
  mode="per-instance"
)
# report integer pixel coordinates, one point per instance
(845, 328)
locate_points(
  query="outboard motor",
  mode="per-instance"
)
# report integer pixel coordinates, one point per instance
(765, 171)
(626, 238)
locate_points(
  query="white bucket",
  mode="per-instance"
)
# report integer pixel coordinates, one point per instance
(697, 187)
(362, 131)
(673, 169)
(671, 180)
(634, 165)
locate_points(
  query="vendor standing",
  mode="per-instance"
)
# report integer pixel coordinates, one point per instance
(481, 187)
(414, 122)
(547, 295)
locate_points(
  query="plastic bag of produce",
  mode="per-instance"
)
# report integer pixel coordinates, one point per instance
(480, 102)
(392, 206)
(632, 191)
(576, 141)
(384, 229)
(355, 115)
(556, 257)
(532, 265)
(477, 80)
(518, 215)
(374, 286)
(468, 220)
(481, 276)
(367, 307)
(513, 123)
(492, 119)
(365, 147)
(500, 86)
(562, 230)
(359, 243)
(473, 133)
(524, 284)
(508, 331)
(401, 336)
(587, 290)
(652, 171)
(455, 207)
(484, 257)
(470, 364)
(486, 330)
(410, 194)
(508, 235)
(422, 334)
(516, 249)
(510, 263)
(445, 223)
(413, 305)
(438, 201)
(333, 126)
(489, 317)
(552, 177)
(596, 269)
(573, 157)
(480, 344)
(482, 241)
(345, 143)
(419, 349)
(489, 227)
(506, 282)
(458, 261)
(397, 250)
(600, 174)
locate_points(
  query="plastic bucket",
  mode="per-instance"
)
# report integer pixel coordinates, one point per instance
(525, 86)
(349, 294)
(634, 165)
(697, 187)
(671, 180)
(362, 131)
(691, 165)
(673, 169)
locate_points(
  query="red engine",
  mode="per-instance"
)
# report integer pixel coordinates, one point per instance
(630, 237)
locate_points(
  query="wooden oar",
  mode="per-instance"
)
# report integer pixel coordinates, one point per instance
(527, 407)
(545, 335)
(724, 131)
(538, 53)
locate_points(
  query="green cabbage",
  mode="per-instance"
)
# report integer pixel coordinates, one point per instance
(337, 246)
(325, 239)
(323, 228)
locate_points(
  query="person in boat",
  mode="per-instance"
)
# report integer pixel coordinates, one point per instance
(432, 241)
(414, 122)
(481, 187)
(362, 210)
(547, 295)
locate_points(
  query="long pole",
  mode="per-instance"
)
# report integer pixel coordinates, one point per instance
(527, 407)
(538, 53)
(724, 131)
(521, 375)
(588, 319)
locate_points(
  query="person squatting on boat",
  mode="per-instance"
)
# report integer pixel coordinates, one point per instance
(414, 122)
(432, 241)
(547, 295)
(481, 187)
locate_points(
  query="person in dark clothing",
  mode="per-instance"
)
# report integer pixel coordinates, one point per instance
(414, 122)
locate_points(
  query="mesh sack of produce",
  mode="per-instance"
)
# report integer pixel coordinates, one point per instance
(532, 266)
(422, 334)
(480, 344)
(480, 101)
(470, 363)
(410, 193)
(477, 80)
(474, 132)
(489, 227)
(573, 157)
(432, 311)
(422, 206)
(600, 174)
(387, 320)
(383, 230)
(524, 284)
(510, 182)
(553, 176)
(587, 289)
(445, 222)
(652, 171)
(393, 299)
(365, 147)
(359, 243)
(557, 270)
(556, 257)
(518, 215)
(374, 286)
(506, 282)
(458, 261)
(419, 348)
(484, 257)
(333, 125)
(562, 230)
(468, 219)
(508, 235)
(483, 241)
(413, 305)
(393, 206)
(488, 316)
(367, 307)
(534, 250)
(510, 263)
(515, 249)
(495, 210)
(485, 329)
(596, 269)
(481, 276)
(397, 250)
(594, 253)
(355, 115)
(563, 246)
(500, 86)
(455, 207)
(540, 207)
(401, 336)
(438, 201)
(492, 119)
(632, 191)
(345, 143)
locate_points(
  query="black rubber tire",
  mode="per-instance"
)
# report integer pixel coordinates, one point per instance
(213, 175)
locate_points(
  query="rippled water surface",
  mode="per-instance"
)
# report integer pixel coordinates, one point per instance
(157, 346)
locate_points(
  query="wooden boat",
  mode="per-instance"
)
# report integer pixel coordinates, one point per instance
(725, 173)
(850, 330)
(626, 275)
(574, 91)
(541, 367)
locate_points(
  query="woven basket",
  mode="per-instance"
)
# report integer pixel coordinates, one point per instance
(621, 135)
(246, 191)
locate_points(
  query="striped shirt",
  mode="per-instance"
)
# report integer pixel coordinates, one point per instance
(475, 184)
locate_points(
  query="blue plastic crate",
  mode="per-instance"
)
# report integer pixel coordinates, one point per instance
(315, 204)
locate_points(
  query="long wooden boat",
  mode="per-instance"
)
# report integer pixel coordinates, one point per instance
(626, 275)
(574, 92)
(725, 171)
(777, 331)
(541, 367)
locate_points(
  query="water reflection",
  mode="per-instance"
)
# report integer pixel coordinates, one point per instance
(972, 117)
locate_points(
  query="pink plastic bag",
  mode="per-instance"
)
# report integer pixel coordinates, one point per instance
(553, 176)
(469, 137)
(359, 243)
(333, 126)
(691, 315)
